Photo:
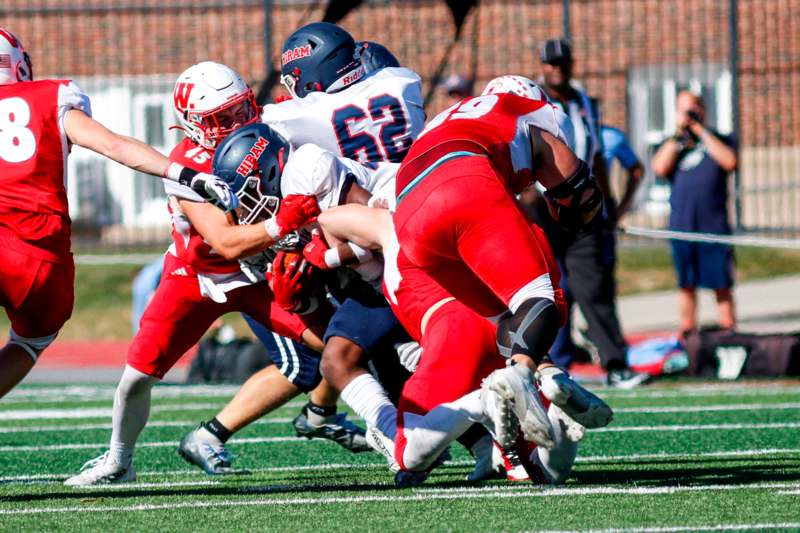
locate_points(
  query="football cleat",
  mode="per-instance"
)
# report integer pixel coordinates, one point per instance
(102, 471)
(212, 458)
(510, 398)
(488, 460)
(383, 445)
(341, 431)
(578, 403)
(517, 462)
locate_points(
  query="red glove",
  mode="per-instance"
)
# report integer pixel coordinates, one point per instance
(314, 251)
(288, 280)
(282, 98)
(294, 212)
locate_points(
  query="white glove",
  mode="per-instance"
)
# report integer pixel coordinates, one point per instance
(410, 354)
(212, 188)
(215, 190)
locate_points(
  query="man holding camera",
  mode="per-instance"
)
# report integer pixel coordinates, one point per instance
(697, 161)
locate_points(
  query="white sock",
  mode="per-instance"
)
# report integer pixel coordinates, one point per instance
(209, 437)
(369, 400)
(130, 413)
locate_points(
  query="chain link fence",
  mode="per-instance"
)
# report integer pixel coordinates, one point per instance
(634, 55)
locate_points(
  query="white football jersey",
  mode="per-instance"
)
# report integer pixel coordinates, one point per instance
(373, 120)
(314, 171)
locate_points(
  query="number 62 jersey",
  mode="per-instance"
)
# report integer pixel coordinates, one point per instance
(373, 120)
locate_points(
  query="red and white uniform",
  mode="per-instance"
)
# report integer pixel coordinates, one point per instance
(456, 216)
(35, 261)
(197, 286)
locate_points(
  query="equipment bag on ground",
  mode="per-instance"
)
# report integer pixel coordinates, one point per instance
(728, 354)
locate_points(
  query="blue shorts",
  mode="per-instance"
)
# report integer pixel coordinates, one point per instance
(370, 325)
(703, 265)
(296, 361)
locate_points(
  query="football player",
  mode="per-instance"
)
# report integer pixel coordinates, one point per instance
(481, 152)
(39, 123)
(458, 351)
(202, 279)
(352, 101)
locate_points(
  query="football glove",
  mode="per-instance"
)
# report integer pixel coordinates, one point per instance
(294, 212)
(289, 283)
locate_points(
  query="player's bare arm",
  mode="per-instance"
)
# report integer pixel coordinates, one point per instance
(229, 239)
(365, 226)
(573, 193)
(88, 133)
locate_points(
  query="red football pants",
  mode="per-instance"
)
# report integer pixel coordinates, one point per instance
(178, 316)
(37, 295)
(464, 228)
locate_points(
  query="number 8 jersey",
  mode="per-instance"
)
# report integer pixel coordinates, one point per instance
(34, 214)
(373, 120)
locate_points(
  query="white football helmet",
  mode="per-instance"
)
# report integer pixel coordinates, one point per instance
(211, 100)
(15, 63)
(518, 85)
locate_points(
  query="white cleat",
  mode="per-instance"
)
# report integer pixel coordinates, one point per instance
(102, 471)
(510, 397)
(582, 406)
(384, 446)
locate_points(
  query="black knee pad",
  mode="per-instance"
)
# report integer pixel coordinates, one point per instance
(530, 331)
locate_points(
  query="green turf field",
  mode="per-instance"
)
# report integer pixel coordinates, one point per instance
(682, 456)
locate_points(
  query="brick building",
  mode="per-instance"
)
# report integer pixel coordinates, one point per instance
(633, 54)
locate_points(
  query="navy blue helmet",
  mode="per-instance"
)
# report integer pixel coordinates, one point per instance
(251, 161)
(319, 57)
(375, 56)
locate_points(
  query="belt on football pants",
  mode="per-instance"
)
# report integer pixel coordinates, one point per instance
(422, 168)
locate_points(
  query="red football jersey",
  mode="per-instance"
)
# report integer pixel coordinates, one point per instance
(496, 125)
(189, 245)
(34, 216)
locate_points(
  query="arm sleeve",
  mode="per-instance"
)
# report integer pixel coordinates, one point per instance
(182, 192)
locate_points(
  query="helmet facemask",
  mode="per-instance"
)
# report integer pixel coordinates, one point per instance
(214, 125)
(254, 206)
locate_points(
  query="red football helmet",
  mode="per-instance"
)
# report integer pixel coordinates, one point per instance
(15, 63)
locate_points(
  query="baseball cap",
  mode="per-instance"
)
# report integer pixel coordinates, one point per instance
(457, 84)
(555, 50)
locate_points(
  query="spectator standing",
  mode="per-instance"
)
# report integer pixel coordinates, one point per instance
(697, 161)
(587, 258)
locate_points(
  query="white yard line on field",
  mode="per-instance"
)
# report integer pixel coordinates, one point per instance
(688, 455)
(348, 466)
(739, 389)
(420, 496)
(259, 440)
(69, 428)
(709, 408)
(283, 421)
(159, 444)
(697, 427)
(678, 529)
(99, 412)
